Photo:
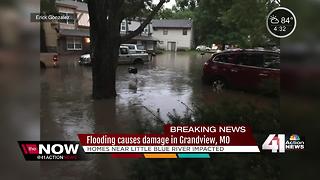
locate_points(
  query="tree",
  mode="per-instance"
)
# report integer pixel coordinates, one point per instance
(246, 20)
(235, 22)
(174, 14)
(105, 19)
(164, 13)
(184, 9)
(187, 4)
(207, 22)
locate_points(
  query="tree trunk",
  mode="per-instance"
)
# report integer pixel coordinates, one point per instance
(105, 42)
(105, 19)
(104, 68)
(43, 41)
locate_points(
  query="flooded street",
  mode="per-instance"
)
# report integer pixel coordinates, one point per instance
(172, 81)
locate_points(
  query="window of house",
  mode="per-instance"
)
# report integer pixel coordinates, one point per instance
(165, 32)
(123, 26)
(184, 32)
(161, 42)
(71, 20)
(74, 44)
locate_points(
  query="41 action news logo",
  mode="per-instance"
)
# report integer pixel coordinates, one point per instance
(52, 150)
(281, 143)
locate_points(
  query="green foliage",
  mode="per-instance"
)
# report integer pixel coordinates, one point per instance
(233, 22)
(187, 4)
(221, 166)
(164, 14)
(246, 19)
(184, 9)
(175, 14)
(186, 14)
(208, 25)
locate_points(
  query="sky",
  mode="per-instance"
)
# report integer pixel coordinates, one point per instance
(166, 5)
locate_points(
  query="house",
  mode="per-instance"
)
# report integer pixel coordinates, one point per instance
(73, 36)
(145, 38)
(173, 34)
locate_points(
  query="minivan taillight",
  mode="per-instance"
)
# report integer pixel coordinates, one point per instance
(55, 58)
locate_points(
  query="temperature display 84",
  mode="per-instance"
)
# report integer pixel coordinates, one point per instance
(281, 22)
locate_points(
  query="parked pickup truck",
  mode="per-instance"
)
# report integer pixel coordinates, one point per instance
(135, 49)
(125, 57)
(49, 60)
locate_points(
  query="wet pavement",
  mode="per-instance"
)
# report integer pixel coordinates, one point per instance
(170, 81)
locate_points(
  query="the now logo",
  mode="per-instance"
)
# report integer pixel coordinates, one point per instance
(58, 148)
(275, 143)
(52, 150)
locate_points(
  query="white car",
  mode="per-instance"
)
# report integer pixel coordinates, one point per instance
(85, 59)
(203, 48)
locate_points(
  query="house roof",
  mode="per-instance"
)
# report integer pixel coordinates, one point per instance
(74, 32)
(78, 5)
(172, 23)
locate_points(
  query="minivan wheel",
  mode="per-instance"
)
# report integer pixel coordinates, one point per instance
(218, 84)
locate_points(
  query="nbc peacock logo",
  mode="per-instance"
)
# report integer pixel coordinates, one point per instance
(294, 143)
(294, 137)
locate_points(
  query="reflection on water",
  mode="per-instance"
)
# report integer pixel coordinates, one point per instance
(160, 86)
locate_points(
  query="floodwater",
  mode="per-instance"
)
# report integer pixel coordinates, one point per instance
(171, 81)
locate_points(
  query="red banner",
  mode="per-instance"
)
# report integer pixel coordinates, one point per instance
(195, 135)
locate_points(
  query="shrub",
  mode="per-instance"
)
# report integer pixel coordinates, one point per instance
(220, 166)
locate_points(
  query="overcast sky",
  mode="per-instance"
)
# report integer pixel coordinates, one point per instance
(167, 5)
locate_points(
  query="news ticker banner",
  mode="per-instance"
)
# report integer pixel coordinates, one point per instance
(175, 139)
(187, 141)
